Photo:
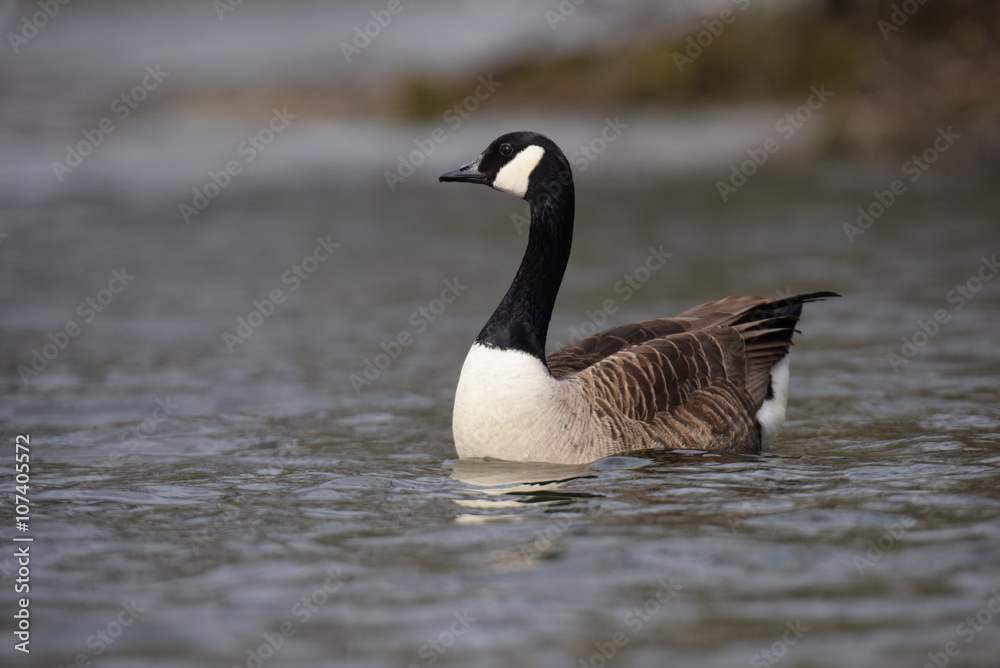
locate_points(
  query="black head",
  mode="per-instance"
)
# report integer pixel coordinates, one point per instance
(525, 164)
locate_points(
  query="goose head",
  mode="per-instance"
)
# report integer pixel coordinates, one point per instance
(524, 164)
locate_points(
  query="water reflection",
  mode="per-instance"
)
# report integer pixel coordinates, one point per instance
(499, 485)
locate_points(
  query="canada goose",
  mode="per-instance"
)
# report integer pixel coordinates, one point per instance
(713, 378)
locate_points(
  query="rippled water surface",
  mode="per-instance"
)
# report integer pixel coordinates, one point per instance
(236, 501)
(243, 456)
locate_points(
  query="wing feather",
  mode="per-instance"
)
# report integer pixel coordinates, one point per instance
(698, 378)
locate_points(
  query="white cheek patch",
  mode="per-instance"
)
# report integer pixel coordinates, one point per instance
(513, 177)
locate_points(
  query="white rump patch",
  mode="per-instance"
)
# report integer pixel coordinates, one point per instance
(514, 176)
(771, 414)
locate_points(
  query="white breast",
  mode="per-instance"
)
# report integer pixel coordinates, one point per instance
(508, 406)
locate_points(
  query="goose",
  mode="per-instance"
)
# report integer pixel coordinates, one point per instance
(713, 378)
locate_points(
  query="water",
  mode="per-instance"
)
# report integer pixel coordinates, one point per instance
(215, 490)
(196, 506)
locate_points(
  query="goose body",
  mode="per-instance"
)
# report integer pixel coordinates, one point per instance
(713, 378)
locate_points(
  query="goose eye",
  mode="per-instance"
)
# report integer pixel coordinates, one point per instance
(506, 149)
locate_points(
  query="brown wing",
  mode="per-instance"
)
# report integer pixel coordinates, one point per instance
(589, 351)
(663, 374)
(713, 361)
(593, 349)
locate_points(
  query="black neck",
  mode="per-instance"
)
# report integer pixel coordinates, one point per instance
(521, 321)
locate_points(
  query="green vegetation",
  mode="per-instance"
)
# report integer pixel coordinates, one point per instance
(898, 70)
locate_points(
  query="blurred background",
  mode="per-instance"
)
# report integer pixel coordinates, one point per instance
(234, 302)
